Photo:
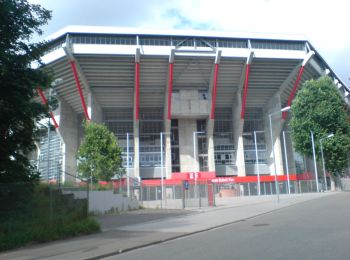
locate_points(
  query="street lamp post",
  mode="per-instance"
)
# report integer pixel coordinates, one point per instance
(194, 160)
(48, 138)
(257, 160)
(286, 160)
(273, 148)
(323, 163)
(314, 157)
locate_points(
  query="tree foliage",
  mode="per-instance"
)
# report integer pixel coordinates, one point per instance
(318, 107)
(19, 21)
(99, 155)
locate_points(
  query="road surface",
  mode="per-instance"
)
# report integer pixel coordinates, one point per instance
(316, 229)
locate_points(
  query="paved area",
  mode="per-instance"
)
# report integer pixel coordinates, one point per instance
(317, 229)
(136, 229)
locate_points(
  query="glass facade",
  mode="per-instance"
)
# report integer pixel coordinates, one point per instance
(120, 122)
(253, 121)
(224, 151)
(50, 157)
(151, 125)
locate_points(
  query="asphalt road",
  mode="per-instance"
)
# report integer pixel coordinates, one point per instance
(316, 229)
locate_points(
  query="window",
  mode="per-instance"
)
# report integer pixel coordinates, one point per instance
(224, 152)
(278, 45)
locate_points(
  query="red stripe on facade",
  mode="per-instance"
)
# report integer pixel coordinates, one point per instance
(245, 91)
(295, 87)
(53, 119)
(41, 94)
(137, 89)
(77, 82)
(230, 179)
(213, 99)
(170, 89)
(44, 100)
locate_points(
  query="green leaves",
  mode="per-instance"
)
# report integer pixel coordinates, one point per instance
(318, 107)
(19, 20)
(99, 156)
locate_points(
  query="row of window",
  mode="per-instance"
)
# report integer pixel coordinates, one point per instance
(179, 41)
(224, 158)
(150, 159)
(278, 45)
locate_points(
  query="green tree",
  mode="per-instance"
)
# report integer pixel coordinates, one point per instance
(99, 155)
(19, 21)
(318, 107)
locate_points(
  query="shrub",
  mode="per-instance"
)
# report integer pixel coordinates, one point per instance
(47, 215)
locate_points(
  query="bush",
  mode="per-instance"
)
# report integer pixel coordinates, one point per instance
(47, 215)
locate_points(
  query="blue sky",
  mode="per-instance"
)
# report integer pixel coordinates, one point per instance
(324, 23)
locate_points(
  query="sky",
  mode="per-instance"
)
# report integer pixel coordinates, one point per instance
(325, 23)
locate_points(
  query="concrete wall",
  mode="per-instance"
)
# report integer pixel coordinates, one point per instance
(274, 106)
(238, 124)
(188, 103)
(226, 170)
(290, 153)
(210, 144)
(186, 129)
(68, 130)
(263, 169)
(136, 149)
(101, 202)
(94, 109)
(151, 172)
(167, 204)
(167, 146)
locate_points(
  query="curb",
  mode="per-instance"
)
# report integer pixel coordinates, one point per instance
(121, 251)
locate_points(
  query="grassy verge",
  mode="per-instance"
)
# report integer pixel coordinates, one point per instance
(43, 216)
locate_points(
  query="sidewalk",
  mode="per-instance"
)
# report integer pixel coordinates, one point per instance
(135, 229)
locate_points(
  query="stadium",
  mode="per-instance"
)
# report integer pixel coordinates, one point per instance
(183, 104)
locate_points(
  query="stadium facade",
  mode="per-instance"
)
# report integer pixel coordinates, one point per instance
(189, 101)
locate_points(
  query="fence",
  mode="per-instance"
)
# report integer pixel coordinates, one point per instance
(181, 195)
(205, 193)
(266, 188)
(345, 184)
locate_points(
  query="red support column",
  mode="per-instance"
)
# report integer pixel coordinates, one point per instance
(43, 99)
(137, 89)
(213, 96)
(170, 89)
(77, 82)
(245, 91)
(295, 87)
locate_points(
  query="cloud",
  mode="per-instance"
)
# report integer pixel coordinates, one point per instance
(323, 22)
(182, 22)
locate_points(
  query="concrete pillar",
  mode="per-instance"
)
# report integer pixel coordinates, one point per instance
(68, 131)
(94, 109)
(167, 137)
(238, 124)
(167, 116)
(136, 149)
(210, 144)
(274, 106)
(186, 129)
(290, 153)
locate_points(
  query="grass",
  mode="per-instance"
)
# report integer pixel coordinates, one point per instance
(42, 216)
